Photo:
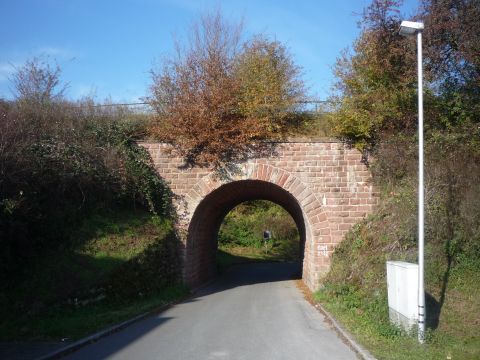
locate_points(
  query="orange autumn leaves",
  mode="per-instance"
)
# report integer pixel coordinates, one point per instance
(220, 97)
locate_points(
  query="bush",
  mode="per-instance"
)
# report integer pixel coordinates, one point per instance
(59, 161)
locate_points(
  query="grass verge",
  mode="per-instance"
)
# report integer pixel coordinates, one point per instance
(117, 265)
(385, 341)
(72, 323)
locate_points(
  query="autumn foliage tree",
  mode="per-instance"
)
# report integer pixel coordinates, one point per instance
(376, 83)
(375, 89)
(221, 96)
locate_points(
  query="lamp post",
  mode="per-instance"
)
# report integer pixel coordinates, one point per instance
(408, 28)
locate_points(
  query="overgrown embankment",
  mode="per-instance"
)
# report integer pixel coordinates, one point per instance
(85, 221)
(355, 289)
(120, 264)
(375, 110)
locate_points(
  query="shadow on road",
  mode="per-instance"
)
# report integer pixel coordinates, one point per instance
(250, 274)
(237, 276)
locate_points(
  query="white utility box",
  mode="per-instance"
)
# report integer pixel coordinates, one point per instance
(402, 282)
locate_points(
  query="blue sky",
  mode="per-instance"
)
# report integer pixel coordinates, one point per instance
(106, 48)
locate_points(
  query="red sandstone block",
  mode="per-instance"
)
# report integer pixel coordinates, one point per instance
(333, 226)
(322, 216)
(357, 214)
(290, 185)
(364, 208)
(290, 182)
(310, 198)
(344, 226)
(354, 157)
(298, 190)
(255, 171)
(268, 173)
(325, 224)
(325, 238)
(260, 171)
(315, 220)
(341, 200)
(348, 220)
(337, 239)
(283, 179)
(321, 231)
(315, 210)
(265, 170)
(279, 176)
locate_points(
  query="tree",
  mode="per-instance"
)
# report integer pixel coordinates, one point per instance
(220, 97)
(376, 85)
(452, 48)
(37, 81)
(270, 85)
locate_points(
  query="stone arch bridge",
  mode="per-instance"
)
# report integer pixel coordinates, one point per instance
(323, 185)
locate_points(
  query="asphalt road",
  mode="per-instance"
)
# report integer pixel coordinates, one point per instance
(254, 311)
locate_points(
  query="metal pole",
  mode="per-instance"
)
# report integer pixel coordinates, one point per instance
(421, 220)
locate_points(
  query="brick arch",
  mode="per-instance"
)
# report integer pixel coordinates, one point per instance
(327, 179)
(216, 196)
(263, 172)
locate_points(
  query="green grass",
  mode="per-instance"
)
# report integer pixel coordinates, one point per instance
(279, 250)
(82, 285)
(457, 336)
(354, 292)
(74, 322)
(241, 235)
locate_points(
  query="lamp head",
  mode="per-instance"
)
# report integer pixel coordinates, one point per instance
(408, 28)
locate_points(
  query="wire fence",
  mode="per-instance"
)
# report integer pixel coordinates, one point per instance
(311, 105)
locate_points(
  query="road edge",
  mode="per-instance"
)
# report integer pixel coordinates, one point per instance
(341, 332)
(364, 353)
(90, 339)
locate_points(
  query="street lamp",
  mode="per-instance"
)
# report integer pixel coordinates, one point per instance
(408, 28)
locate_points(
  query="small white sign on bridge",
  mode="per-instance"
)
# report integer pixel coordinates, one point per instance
(322, 250)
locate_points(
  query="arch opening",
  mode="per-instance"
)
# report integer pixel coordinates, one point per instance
(201, 246)
(257, 230)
